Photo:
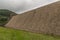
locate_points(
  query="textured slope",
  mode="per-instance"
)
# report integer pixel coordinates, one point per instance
(42, 20)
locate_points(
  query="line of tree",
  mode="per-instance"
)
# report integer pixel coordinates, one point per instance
(5, 16)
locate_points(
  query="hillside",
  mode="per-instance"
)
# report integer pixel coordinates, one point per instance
(5, 16)
(11, 34)
(41, 20)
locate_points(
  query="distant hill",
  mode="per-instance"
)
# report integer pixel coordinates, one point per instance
(5, 16)
(41, 20)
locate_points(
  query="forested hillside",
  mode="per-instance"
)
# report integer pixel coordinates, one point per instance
(5, 16)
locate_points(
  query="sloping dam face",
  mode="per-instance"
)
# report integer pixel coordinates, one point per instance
(41, 20)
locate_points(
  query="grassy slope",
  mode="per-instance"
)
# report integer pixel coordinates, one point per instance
(11, 34)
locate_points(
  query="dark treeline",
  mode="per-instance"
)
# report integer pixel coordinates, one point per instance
(5, 16)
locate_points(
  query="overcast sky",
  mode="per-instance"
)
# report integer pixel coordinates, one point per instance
(19, 6)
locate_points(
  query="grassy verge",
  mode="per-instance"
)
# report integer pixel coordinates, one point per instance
(11, 34)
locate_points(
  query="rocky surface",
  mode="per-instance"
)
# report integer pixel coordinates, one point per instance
(41, 20)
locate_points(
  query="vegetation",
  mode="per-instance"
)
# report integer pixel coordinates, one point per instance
(5, 16)
(11, 34)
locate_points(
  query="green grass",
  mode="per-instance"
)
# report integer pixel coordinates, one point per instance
(11, 34)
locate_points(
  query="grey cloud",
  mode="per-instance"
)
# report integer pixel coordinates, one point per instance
(19, 6)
